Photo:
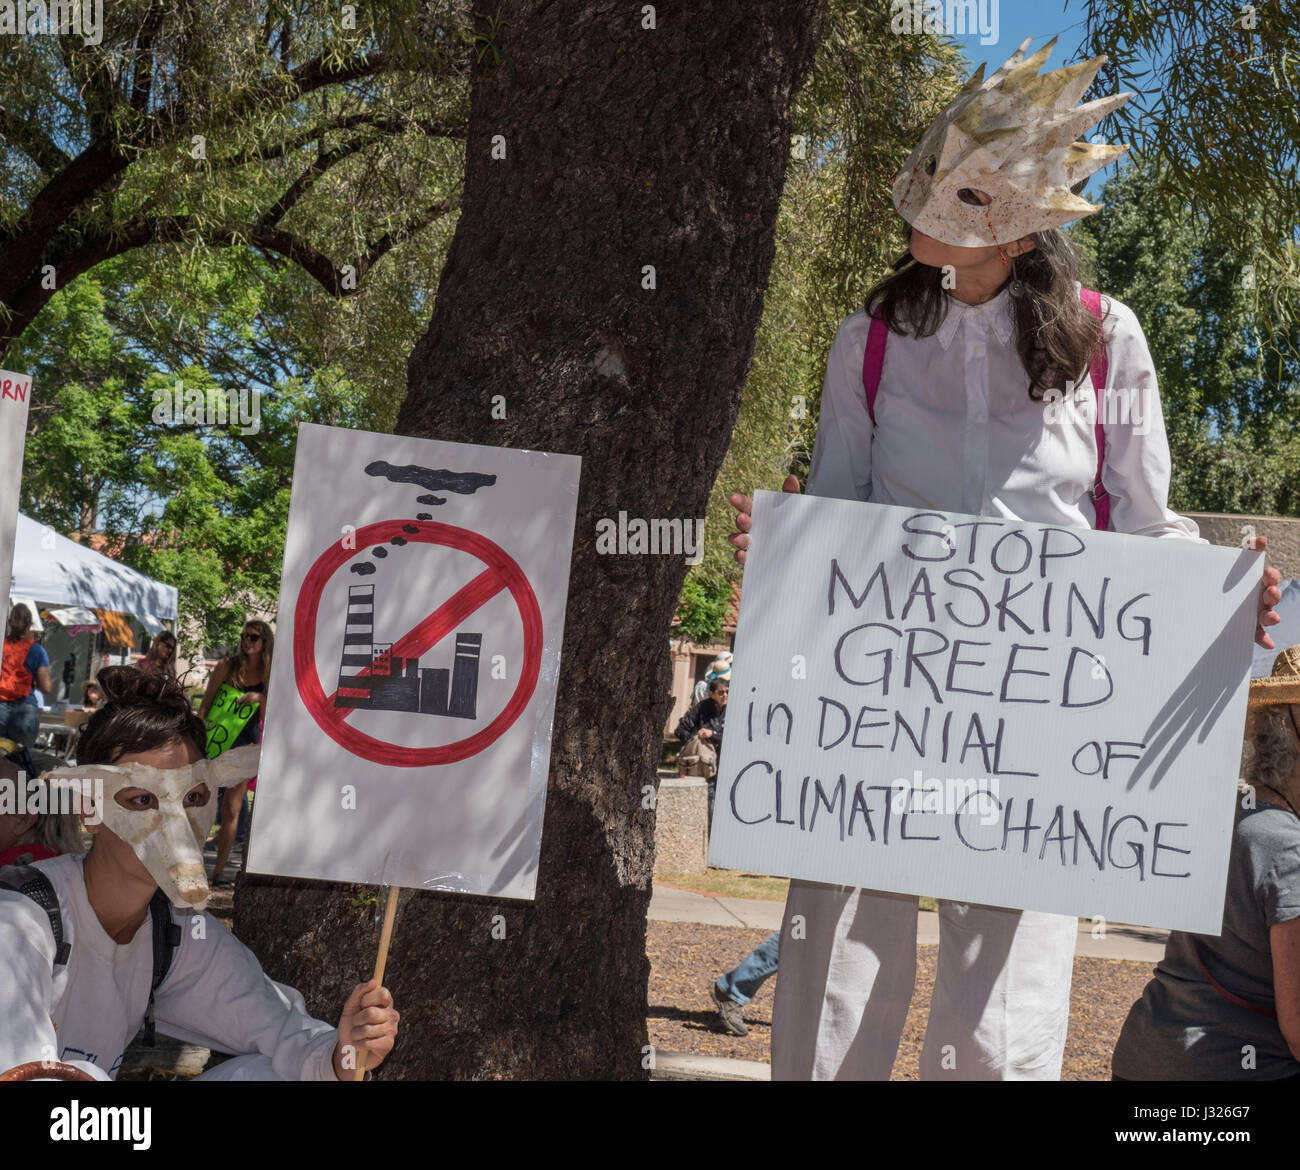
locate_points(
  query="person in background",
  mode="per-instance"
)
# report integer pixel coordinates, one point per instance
(69, 674)
(29, 834)
(249, 670)
(1227, 1008)
(739, 985)
(160, 657)
(700, 731)
(24, 669)
(92, 697)
(719, 666)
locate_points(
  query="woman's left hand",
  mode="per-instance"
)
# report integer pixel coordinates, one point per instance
(256, 696)
(1269, 596)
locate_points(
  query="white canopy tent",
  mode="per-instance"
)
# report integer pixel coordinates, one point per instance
(57, 571)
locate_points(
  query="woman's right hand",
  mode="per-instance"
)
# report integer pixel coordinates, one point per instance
(744, 506)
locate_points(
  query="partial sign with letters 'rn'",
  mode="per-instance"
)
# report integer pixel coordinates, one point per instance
(988, 711)
(408, 723)
(15, 398)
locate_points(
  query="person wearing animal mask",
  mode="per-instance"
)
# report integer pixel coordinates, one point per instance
(80, 934)
(970, 382)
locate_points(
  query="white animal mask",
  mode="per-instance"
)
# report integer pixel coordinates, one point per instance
(1013, 137)
(168, 839)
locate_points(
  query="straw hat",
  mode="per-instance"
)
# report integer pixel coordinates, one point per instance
(1282, 686)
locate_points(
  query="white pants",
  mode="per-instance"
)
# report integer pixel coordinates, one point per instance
(1001, 995)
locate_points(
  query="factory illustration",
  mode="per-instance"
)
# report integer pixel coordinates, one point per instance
(402, 684)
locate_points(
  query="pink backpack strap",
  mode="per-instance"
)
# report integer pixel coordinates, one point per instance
(1098, 371)
(873, 361)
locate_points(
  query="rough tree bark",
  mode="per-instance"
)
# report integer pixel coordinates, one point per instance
(625, 147)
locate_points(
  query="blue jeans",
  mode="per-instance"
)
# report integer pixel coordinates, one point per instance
(20, 721)
(755, 969)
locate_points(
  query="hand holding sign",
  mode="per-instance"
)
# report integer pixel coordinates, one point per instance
(1269, 596)
(744, 506)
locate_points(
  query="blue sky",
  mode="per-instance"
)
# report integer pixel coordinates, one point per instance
(1016, 19)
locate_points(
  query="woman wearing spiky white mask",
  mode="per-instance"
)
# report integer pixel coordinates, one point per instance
(90, 947)
(969, 387)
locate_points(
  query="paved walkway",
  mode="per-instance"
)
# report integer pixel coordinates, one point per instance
(669, 904)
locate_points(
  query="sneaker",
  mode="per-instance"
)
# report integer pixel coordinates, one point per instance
(729, 1012)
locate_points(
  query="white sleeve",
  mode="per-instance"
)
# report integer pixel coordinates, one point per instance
(841, 459)
(26, 983)
(1135, 471)
(217, 995)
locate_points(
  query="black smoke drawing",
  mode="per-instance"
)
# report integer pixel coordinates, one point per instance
(464, 483)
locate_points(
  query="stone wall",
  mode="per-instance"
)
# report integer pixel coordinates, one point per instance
(682, 825)
(1283, 533)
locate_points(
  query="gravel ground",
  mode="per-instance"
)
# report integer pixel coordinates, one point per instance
(685, 957)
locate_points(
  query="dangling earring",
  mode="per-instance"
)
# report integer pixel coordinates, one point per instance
(1015, 288)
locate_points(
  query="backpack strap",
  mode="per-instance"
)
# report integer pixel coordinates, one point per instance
(1098, 371)
(1230, 996)
(166, 939)
(873, 361)
(32, 883)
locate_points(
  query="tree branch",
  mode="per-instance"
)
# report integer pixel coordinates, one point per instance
(32, 141)
(394, 125)
(304, 182)
(142, 66)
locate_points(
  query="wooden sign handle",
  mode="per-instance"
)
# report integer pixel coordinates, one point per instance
(381, 959)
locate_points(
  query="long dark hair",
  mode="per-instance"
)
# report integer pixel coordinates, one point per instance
(141, 712)
(240, 661)
(1055, 335)
(20, 621)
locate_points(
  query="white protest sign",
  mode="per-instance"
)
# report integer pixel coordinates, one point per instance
(988, 711)
(15, 397)
(408, 723)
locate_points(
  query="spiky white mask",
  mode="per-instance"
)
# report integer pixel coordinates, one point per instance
(1013, 138)
(168, 835)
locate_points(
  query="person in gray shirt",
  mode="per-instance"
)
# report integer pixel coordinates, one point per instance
(1228, 1008)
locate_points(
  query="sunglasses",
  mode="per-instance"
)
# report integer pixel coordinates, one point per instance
(252, 637)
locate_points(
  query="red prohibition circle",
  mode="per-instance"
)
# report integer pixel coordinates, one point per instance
(332, 720)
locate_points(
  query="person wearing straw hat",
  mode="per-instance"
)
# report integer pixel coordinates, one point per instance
(1228, 1008)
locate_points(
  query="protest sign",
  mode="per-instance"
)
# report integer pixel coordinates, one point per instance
(226, 718)
(407, 728)
(988, 711)
(15, 397)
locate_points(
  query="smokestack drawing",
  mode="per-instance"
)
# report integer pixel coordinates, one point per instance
(358, 647)
(464, 676)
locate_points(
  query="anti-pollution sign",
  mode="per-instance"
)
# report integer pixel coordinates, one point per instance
(988, 711)
(407, 729)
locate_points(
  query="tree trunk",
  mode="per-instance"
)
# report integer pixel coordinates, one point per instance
(625, 147)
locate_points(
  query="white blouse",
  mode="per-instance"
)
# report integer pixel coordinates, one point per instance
(959, 432)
